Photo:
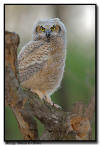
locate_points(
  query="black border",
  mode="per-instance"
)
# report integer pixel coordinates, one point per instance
(96, 83)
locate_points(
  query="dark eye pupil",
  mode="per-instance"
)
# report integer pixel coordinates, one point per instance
(42, 28)
(53, 28)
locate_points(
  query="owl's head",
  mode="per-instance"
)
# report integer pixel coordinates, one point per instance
(49, 29)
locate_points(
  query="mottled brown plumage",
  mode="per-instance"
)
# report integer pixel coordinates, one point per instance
(41, 62)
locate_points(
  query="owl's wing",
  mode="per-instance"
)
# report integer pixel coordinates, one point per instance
(32, 59)
(30, 47)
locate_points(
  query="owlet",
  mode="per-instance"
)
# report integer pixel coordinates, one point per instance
(41, 61)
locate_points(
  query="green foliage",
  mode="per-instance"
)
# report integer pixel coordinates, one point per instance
(11, 126)
(40, 127)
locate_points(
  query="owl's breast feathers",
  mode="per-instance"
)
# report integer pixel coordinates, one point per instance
(41, 63)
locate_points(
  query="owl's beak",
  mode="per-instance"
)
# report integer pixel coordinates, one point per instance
(48, 32)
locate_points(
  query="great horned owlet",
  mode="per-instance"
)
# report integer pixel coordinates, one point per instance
(41, 61)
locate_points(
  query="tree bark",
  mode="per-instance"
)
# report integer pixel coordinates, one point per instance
(59, 125)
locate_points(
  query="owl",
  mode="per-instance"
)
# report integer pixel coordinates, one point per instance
(41, 61)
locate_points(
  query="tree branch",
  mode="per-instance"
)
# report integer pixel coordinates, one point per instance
(14, 95)
(59, 125)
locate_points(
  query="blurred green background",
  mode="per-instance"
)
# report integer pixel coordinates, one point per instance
(79, 77)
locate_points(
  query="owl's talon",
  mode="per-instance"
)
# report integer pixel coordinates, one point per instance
(57, 106)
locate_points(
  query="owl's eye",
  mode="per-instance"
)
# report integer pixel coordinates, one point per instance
(53, 28)
(42, 29)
